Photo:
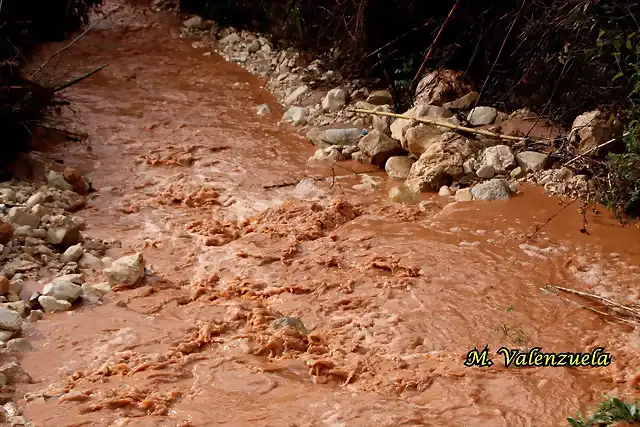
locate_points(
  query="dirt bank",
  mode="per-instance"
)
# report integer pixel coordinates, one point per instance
(391, 297)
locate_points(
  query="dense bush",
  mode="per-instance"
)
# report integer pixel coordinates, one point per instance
(24, 24)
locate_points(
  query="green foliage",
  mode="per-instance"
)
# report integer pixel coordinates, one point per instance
(621, 190)
(609, 412)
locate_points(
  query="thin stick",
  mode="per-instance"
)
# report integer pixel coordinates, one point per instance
(414, 83)
(603, 299)
(593, 149)
(74, 40)
(538, 228)
(79, 79)
(592, 309)
(443, 124)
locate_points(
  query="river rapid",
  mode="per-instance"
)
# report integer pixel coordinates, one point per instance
(391, 296)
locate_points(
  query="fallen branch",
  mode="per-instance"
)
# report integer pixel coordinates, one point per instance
(591, 308)
(414, 83)
(445, 125)
(74, 40)
(599, 298)
(79, 79)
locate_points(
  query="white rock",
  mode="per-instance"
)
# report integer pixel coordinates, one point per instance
(262, 110)
(126, 271)
(56, 180)
(463, 102)
(591, 129)
(40, 211)
(532, 161)
(63, 290)
(10, 320)
(194, 22)
(445, 191)
(500, 157)
(382, 123)
(398, 167)
(296, 116)
(19, 345)
(296, 94)
(464, 195)
(482, 116)
(72, 254)
(21, 217)
(518, 173)
(495, 189)
(230, 39)
(7, 195)
(52, 305)
(334, 100)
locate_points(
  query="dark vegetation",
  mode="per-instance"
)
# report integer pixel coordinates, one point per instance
(559, 58)
(610, 412)
(23, 25)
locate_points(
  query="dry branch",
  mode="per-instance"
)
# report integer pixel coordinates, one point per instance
(635, 322)
(445, 125)
(78, 79)
(106, 15)
(604, 300)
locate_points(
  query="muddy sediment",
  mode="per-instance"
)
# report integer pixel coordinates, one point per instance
(311, 304)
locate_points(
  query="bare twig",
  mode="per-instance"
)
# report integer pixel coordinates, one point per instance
(497, 57)
(414, 83)
(79, 79)
(540, 227)
(444, 124)
(74, 40)
(593, 149)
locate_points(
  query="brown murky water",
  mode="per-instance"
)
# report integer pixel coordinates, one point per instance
(394, 297)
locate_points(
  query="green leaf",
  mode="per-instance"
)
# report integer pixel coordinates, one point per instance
(575, 423)
(617, 76)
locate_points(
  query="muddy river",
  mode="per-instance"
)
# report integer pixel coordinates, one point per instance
(389, 297)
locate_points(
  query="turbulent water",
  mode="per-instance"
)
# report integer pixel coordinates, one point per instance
(391, 297)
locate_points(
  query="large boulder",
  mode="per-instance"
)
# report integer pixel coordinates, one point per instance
(400, 126)
(22, 217)
(441, 86)
(379, 147)
(419, 138)
(500, 157)
(480, 116)
(495, 189)
(10, 320)
(334, 100)
(532, 161)
(441, 163)
(126, 271)
(296, 116)
(398, 167)
(592, 129)
(63, 290)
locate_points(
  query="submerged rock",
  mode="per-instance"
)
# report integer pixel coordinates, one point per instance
(495, 189)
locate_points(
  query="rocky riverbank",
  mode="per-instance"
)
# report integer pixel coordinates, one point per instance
(48, 266)
(457, 163)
